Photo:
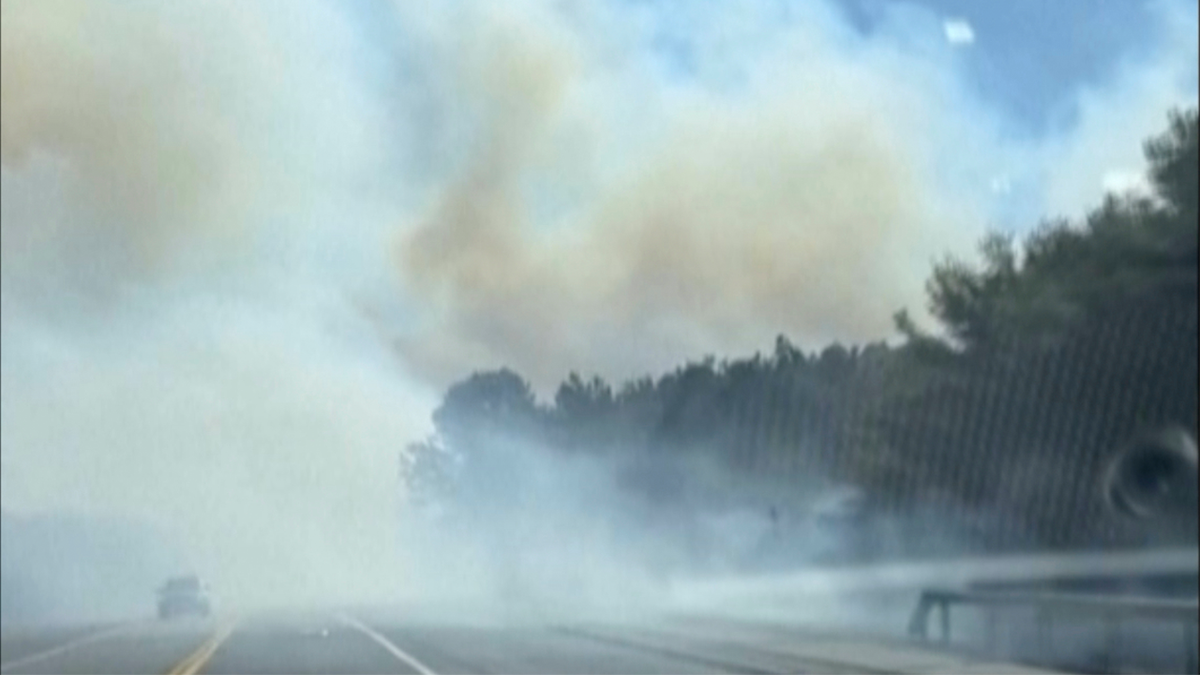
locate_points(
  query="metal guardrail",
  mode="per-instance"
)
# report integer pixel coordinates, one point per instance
(1112, 611)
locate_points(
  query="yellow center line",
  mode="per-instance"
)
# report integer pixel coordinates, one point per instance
(187, 662)
(196, 661)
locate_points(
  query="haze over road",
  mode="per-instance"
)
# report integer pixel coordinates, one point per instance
(780, 624)
(394, 642)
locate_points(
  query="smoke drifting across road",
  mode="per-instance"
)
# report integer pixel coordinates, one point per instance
(220, 219)
(187, 193)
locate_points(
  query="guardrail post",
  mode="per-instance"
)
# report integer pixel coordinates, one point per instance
(1189, 640)
(1043, 635)
(918, 624)
(990, 618)
(945, 612)
(1112, 630)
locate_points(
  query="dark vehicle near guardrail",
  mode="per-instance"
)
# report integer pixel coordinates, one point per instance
(183, 596)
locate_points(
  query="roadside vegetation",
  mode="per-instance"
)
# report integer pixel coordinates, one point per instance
(1048, 352)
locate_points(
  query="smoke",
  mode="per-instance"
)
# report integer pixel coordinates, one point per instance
(254, 439)
(245, 245)
(187, 190)
(150, 145)
(526, 532)
(79, 569)
(622, 203)
(800, 203)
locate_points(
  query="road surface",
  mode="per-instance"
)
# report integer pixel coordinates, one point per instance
(378, 642)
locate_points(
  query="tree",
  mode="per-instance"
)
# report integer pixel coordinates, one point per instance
(972, 303)
(429, 473)
(584, 412)
(485, 404)
(1173, 165)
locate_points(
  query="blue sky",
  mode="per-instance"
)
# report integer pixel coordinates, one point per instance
(1030, 55)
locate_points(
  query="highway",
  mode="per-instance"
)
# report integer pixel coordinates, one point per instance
(393, 642)
(752, 626)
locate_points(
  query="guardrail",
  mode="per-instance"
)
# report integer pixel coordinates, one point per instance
(1112, 611)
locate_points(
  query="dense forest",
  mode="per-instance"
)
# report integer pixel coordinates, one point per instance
(1048, 354)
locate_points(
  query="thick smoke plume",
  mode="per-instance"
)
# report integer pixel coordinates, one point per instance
(181, 185)
(616, 204)
(804, 202)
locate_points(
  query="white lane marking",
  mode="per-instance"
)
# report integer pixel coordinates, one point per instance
(68, 646)
(392, 649)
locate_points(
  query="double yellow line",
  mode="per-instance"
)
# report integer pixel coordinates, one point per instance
(194, 663)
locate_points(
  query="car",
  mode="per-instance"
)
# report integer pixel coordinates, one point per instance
(183, 596)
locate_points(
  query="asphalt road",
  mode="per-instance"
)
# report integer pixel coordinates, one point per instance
(393, 643)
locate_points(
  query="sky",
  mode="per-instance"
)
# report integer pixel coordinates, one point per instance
(246, 245)
(1031, 57)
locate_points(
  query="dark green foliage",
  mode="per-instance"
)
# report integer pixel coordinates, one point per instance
(483, 405)
(1173, 167)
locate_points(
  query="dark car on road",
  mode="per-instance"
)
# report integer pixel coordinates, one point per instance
(183, 596)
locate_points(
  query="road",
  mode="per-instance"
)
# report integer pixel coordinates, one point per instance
(773, 633)
(390, 642)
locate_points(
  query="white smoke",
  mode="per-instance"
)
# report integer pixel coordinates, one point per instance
(188, 205)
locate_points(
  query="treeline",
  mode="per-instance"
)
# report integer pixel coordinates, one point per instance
(1048, 355)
